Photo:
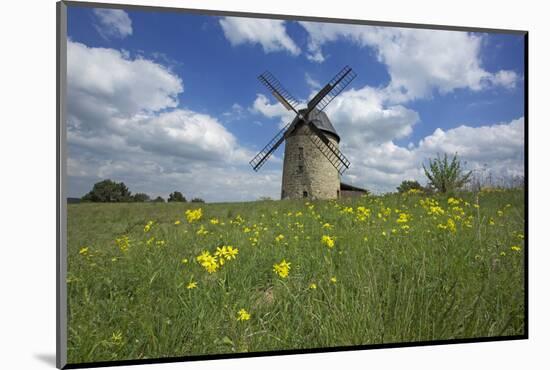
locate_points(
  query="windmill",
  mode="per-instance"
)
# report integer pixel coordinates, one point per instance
(313, 161)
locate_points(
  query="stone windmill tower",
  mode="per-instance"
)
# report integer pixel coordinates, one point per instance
(313, 162)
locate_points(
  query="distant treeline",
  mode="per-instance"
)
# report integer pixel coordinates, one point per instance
(108, 191)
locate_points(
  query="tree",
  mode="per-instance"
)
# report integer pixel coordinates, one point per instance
(108, 191)
(445, 175)
(197, 200)
(409, 185)
(176, 197)
(140, 197)
(159, 199)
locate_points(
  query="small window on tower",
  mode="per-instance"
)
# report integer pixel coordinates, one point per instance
(305, 194)
(300, 153)
(300, 168)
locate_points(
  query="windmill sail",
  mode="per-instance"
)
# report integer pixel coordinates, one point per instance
(277, 89)
(329, 150)
(259, 159)
(332, 89)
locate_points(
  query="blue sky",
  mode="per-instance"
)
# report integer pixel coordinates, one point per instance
(170, 101)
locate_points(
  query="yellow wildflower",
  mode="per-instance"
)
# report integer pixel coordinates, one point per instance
(333, 280)
(116, 337)
(313, 286)
(148, 226)
(226, 252)
(177, 222)
(83, 251)
(123, 243)
(214, 221)
(453, 202)
(209, 262)
(515, 248)
(193, 215)
(242, 315)
(328, 241)
(282, 269)
(403, 218)
(192, 285)
(279, 237)
(202, 231)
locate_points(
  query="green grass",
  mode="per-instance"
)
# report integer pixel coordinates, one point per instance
(424, 283)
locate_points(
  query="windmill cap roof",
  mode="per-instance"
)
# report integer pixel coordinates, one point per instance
(321, 121)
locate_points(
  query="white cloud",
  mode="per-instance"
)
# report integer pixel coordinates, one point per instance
(113, 23)
(382, 166)
(109, 81)
(270, 34)
(418, 61)
(364, 116)
(312, 83)
(124, 123)
(263, 106)
(506, 79)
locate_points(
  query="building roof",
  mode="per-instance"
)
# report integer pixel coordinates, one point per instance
(351, 187)
(321, 121)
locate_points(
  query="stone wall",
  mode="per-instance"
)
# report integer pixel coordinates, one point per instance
(307, 173)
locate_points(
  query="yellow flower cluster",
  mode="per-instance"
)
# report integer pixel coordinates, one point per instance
(202, 231)
(123, 243)
(148, 226)
(328, 241)
(282, 268)
(193, 215)
(403, 218)
(226, 253)
(279, 238)
(363, 213)
(243, 315)
(212, 263)
(450, 226)
(432, 207)
(453, 201)
(237, 220)
(208, 261)
(347, 210)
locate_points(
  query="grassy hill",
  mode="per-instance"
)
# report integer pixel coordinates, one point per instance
(395, 268)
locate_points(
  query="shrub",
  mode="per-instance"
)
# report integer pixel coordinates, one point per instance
(140, 197)
(408, 185)
(108, 191)
(197, 200)
(445, 175)
(176, 197)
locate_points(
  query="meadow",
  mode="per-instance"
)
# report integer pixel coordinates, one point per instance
(153, 280)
